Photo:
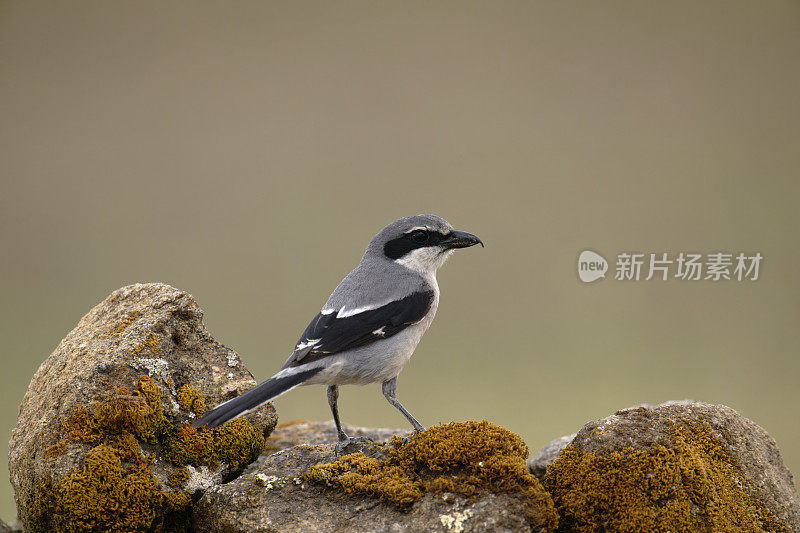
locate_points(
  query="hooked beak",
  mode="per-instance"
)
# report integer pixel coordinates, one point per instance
(460, 239)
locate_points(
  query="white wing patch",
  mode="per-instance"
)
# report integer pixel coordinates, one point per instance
(327, 311)
(344, 312)
(309, 342)
(380, 332)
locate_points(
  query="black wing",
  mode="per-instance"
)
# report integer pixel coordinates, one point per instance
(327, 334)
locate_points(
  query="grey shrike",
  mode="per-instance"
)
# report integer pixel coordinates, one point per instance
(370, 325)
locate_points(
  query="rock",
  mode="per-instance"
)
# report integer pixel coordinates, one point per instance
(6, 528)
(680, 466)
(297, 432)
(547, 455)
(88, 418)
(359, 492)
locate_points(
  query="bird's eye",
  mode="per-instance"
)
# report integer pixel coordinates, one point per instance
(419, 235)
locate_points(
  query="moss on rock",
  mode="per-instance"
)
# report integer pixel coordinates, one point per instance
(190, 400)
(178, 478)
(360, 475)
(114, 489)
(467, 458)
(237, 443)
(692, 485)
(105, 495)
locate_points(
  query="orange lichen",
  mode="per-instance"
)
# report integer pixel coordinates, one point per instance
(114, 489)
(178, 478)
(104, 495)
(149, 345)
(693, 485)
(466, 458)
(191, 400)
(237, 443)
(122, 325)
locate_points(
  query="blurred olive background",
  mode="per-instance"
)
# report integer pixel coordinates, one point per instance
(246, 152)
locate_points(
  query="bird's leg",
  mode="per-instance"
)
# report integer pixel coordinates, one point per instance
(389, 388)
(333, 396)
(344, 440)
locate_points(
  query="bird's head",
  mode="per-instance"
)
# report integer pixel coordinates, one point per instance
(421, 243)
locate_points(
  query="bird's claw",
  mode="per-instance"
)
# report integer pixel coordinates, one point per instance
(345, 442)
(407, 439)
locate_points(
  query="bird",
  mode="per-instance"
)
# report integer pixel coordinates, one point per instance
(370, 325)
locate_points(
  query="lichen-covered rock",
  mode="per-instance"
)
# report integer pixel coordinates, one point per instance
(680, 466)
(101, 442)
(459, 477)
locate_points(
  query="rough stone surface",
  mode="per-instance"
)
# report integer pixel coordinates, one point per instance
(547, 455)
(755, 452)
(6, 528)
(151, 329)
(297, 432)
(271, 496)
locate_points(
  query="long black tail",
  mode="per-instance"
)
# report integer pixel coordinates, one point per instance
(251, 399)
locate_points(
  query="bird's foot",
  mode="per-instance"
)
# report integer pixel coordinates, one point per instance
(405, 440)
(345, 442)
